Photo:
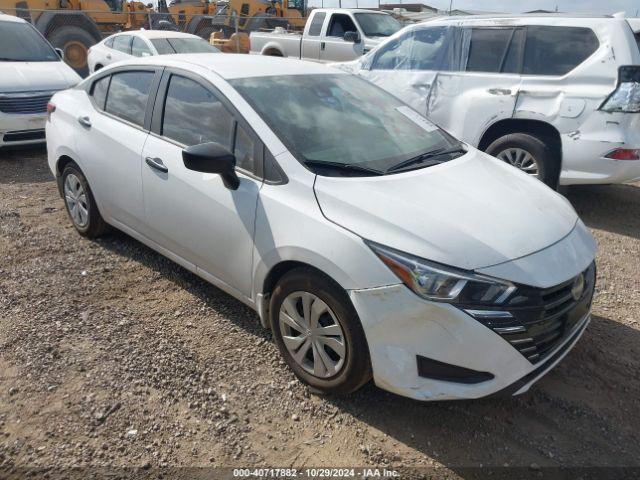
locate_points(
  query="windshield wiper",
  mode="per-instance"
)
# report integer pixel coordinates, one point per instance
(427, 159)
(352, 167)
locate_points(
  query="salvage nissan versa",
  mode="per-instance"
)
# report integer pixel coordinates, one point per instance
(371, 242)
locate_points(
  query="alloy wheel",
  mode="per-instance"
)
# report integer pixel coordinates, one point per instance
(76, 200)
(312, 334)
(521, 159)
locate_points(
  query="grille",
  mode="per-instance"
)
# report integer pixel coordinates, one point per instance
(25, 103)
(535, 321)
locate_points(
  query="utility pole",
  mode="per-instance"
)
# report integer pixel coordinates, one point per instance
(450, 6)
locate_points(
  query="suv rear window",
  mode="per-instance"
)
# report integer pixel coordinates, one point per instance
(557, 50)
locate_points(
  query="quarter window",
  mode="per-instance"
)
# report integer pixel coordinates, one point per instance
(557, 50)
(122, 43)
(487, 49)
(193, 115)
(99, 92)
(418, 49)
(316, 24)
(139, 48)
(128, 95)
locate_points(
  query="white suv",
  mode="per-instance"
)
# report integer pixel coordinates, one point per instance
(557, 96)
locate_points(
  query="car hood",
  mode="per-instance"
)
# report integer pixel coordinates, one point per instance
(471, 213)
(28, 76)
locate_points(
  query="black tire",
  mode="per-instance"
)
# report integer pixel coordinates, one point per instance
(71, 40)
(356, 368)
(548, 163)
(96, 225)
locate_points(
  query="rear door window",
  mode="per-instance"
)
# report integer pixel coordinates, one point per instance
(122, 43)
(418, 49)
(557, 50)
(488, 49)
(128, 95)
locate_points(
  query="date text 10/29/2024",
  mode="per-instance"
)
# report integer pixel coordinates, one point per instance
(302, 473)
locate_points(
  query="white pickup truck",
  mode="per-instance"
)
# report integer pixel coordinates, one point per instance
(330, 35)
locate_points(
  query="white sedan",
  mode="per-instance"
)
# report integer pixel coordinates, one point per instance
(144, 43)
(371, 242)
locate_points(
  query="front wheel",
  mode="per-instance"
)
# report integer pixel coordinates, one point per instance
(530, 154)
(318, 332)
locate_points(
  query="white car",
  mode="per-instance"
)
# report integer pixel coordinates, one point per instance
(370, 241)
(144, 43)
(31, 71)
(556, 96)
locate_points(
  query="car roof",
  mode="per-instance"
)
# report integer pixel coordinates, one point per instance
(10, 18)
(231, 66)
(156, 34)
(348, 10)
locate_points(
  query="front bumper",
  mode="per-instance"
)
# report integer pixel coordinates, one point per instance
(22, 129)
(401, 327)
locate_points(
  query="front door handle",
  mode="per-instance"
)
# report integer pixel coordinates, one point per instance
(84, 121)
(156, 163)
(500, 91)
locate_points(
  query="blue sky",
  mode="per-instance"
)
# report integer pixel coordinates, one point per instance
(588, 6)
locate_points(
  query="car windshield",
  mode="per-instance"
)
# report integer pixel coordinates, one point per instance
(340, 120)
(20, 42)
(378, 24)
(167, 46)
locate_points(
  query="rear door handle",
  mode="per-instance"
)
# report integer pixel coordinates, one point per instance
(156, 163)
(322, 45)
(84, 121)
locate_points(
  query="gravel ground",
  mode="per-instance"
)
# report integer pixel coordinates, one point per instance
(112, 356)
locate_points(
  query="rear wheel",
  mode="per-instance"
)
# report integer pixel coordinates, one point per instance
(530, 154)
(80, 203)
(74, 42)
(318, 332)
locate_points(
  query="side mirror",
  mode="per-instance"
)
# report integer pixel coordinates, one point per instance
(352, 37)
(212, 158)
(60, 52)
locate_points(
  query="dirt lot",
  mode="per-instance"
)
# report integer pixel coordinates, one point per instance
(111, 356)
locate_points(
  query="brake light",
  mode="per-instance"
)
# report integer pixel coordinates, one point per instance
(626, 97)
(624, 154)
(50, 109)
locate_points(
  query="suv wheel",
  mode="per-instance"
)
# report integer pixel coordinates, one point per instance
(528, 153)
(81, 206)
(318, 332)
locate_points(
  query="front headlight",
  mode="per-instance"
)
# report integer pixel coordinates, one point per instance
(443, 284)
